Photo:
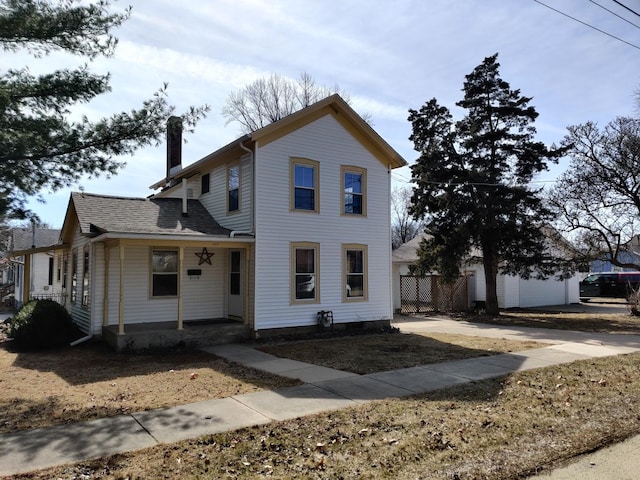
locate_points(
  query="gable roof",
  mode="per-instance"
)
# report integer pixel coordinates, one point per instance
(333, 105)
(98, 214)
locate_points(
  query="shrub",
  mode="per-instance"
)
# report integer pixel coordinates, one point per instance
(634, 302)
(42, 324)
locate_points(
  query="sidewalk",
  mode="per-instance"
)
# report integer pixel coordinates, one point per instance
(325, 389)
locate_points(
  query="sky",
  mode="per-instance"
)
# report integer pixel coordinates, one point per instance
(388, 55)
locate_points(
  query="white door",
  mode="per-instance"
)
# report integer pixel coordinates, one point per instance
(236, 283)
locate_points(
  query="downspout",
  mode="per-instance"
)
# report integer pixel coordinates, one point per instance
(253, 194)
(80, 340)
(391, 277)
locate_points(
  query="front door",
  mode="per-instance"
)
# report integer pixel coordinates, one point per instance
(236, 284)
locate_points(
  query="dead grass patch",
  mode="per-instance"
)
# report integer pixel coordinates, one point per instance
(501, 429)
(382, 352)
(86, 382)
(622, 323)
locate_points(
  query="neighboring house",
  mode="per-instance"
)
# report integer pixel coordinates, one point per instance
(598, 266)
(278, 225)
(513, 291)
(34, 272)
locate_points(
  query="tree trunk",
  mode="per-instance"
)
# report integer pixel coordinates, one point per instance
(490, 261)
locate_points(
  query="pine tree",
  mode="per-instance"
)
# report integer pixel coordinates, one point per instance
(41, 147)
(472, 183)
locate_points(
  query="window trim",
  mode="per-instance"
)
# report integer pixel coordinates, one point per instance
(365, 274)
(305, 162)
(293, 247)
(228, 190)
(344, 169)
(152, 273)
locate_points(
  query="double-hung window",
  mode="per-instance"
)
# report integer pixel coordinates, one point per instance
(164, 273)
(354, 268)
(305, 185)
(85, 277)
(233, 188)
(354, 187)
(305, 272)
(74, 275)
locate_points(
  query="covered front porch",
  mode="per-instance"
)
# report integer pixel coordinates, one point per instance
(167, 293)
(164, 335)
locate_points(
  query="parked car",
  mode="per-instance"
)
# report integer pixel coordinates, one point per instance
(612, 285)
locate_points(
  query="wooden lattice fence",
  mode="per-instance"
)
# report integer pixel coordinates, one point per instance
(430, 294)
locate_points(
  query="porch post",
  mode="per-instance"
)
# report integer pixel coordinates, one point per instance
(105, 293)
(121, 304)
(26, 279)
(181, 258)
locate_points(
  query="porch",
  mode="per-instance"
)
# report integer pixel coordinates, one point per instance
(194, 334)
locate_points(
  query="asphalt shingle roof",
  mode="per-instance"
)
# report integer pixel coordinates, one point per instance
(44, 237)
(162, 216)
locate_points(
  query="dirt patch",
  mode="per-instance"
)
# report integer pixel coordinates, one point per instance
(90, 381)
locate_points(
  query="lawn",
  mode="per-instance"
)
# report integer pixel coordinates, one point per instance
(383, 352)
(501, 428)
(89, 381)
(505, 428)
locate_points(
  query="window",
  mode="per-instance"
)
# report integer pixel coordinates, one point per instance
(354, 269)
(233, 188)
(74, 276)
(205, 183)
(304, 272)
(65, 269)
(164, 273)
(50, 279)
(354, 186)
(304, 185)
(85, 278)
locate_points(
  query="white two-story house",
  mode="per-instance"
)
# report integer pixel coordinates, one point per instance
(266, 232)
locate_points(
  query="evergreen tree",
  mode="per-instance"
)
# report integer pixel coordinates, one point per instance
(41, 147)
(472, 183)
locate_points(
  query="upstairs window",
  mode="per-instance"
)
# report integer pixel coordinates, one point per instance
(233, 188)
(304, 185)
(164, 273)
(304, 272)
(205, 183)
(354, 186)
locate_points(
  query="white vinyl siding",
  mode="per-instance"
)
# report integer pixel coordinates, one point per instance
(203, 296)
(81, 314)
(326, 142)
(216, 200)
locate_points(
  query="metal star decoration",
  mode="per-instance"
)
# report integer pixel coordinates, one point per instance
(205, 256)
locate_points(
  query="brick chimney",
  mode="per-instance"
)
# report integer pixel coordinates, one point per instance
(174, 145)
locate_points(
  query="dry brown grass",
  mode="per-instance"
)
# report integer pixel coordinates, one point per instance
(622, 323)
(496, 429)
(75, 384)
(383, 352)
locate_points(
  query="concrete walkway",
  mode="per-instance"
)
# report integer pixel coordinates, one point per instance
(324, 389)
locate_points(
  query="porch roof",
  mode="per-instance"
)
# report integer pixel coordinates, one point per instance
(102, 214)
